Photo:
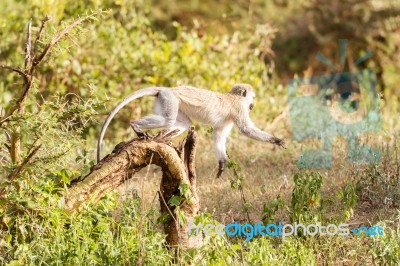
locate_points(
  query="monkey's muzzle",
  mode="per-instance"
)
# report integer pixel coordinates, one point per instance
(251, 106)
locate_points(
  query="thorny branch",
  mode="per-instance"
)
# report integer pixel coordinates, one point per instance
(18, 170)
(28, 46)
(17, 70)
(38, 58)
(32, 60)
(39, 34)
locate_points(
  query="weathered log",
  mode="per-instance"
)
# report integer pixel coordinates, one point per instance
(178, 168)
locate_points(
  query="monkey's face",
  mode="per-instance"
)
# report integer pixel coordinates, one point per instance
(246, 91)
(251, 97)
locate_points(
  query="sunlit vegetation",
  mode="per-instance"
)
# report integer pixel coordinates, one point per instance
(49, 140)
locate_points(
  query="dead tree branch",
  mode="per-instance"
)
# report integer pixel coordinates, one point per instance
(130, 157)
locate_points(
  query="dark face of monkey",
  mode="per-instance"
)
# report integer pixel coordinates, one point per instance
(251, 106)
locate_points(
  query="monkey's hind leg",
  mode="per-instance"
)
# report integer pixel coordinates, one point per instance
(166, 109)
(140, 133)
(182, 123)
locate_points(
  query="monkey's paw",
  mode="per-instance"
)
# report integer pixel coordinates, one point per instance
(279, 142)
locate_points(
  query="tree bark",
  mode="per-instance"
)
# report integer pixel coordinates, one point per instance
(177, 165)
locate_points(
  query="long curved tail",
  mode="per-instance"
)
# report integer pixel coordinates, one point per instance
(152, 91)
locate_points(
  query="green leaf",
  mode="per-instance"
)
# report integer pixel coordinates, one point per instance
(175, 200)
(185, 191)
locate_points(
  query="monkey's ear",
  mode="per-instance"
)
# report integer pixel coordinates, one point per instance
(243, 92)
(239, 89)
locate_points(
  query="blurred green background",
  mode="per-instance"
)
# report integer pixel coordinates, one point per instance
(209, 44)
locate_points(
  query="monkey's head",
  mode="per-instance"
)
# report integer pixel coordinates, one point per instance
(246, 91)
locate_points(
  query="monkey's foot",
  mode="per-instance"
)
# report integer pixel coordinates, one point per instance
(139, 132)
(171, 134)
(144, 135)
(165, 136)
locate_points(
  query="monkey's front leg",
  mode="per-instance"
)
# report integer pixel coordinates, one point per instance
(279, 142)
(252, 132)
(221, 168)
(220, 135)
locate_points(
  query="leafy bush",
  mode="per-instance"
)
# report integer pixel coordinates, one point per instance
(306, 198)
(94, 236)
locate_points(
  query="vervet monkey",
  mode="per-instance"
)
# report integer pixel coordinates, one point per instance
(176, 107)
